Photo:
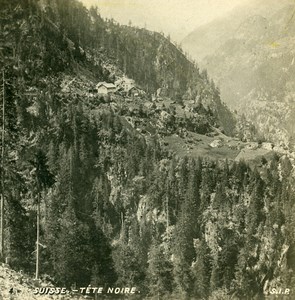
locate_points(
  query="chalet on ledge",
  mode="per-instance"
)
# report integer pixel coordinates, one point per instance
(105, 88)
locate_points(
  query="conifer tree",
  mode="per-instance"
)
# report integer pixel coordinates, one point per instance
(201, 270)
(159, 272)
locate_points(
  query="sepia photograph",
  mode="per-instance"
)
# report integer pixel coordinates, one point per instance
(147, 149)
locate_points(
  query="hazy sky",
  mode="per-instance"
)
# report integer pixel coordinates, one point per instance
(176, 17)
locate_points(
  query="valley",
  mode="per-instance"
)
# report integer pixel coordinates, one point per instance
(250, 55)
(122, 166)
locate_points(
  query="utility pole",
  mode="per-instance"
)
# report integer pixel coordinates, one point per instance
(167, 204)
(38, 237)
(2, 173)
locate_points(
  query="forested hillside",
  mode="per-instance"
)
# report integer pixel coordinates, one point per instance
(119, 202)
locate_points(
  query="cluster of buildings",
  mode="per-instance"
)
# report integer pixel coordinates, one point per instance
(124, 86)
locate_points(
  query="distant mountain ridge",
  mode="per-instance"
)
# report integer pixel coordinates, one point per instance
(207, 38)
(250, 54)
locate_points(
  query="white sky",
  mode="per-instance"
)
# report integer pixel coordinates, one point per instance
(174, 17)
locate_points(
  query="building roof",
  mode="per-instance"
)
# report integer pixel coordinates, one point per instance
(106, 84)
(132, 88)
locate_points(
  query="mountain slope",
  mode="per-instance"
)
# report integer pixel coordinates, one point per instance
(253, 63)
(206, 39)
(140, 189)
(17, 285)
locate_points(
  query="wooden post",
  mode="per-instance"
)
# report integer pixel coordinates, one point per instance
(167, 200)
(38, 238)
(167, 203)
(2, 175)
